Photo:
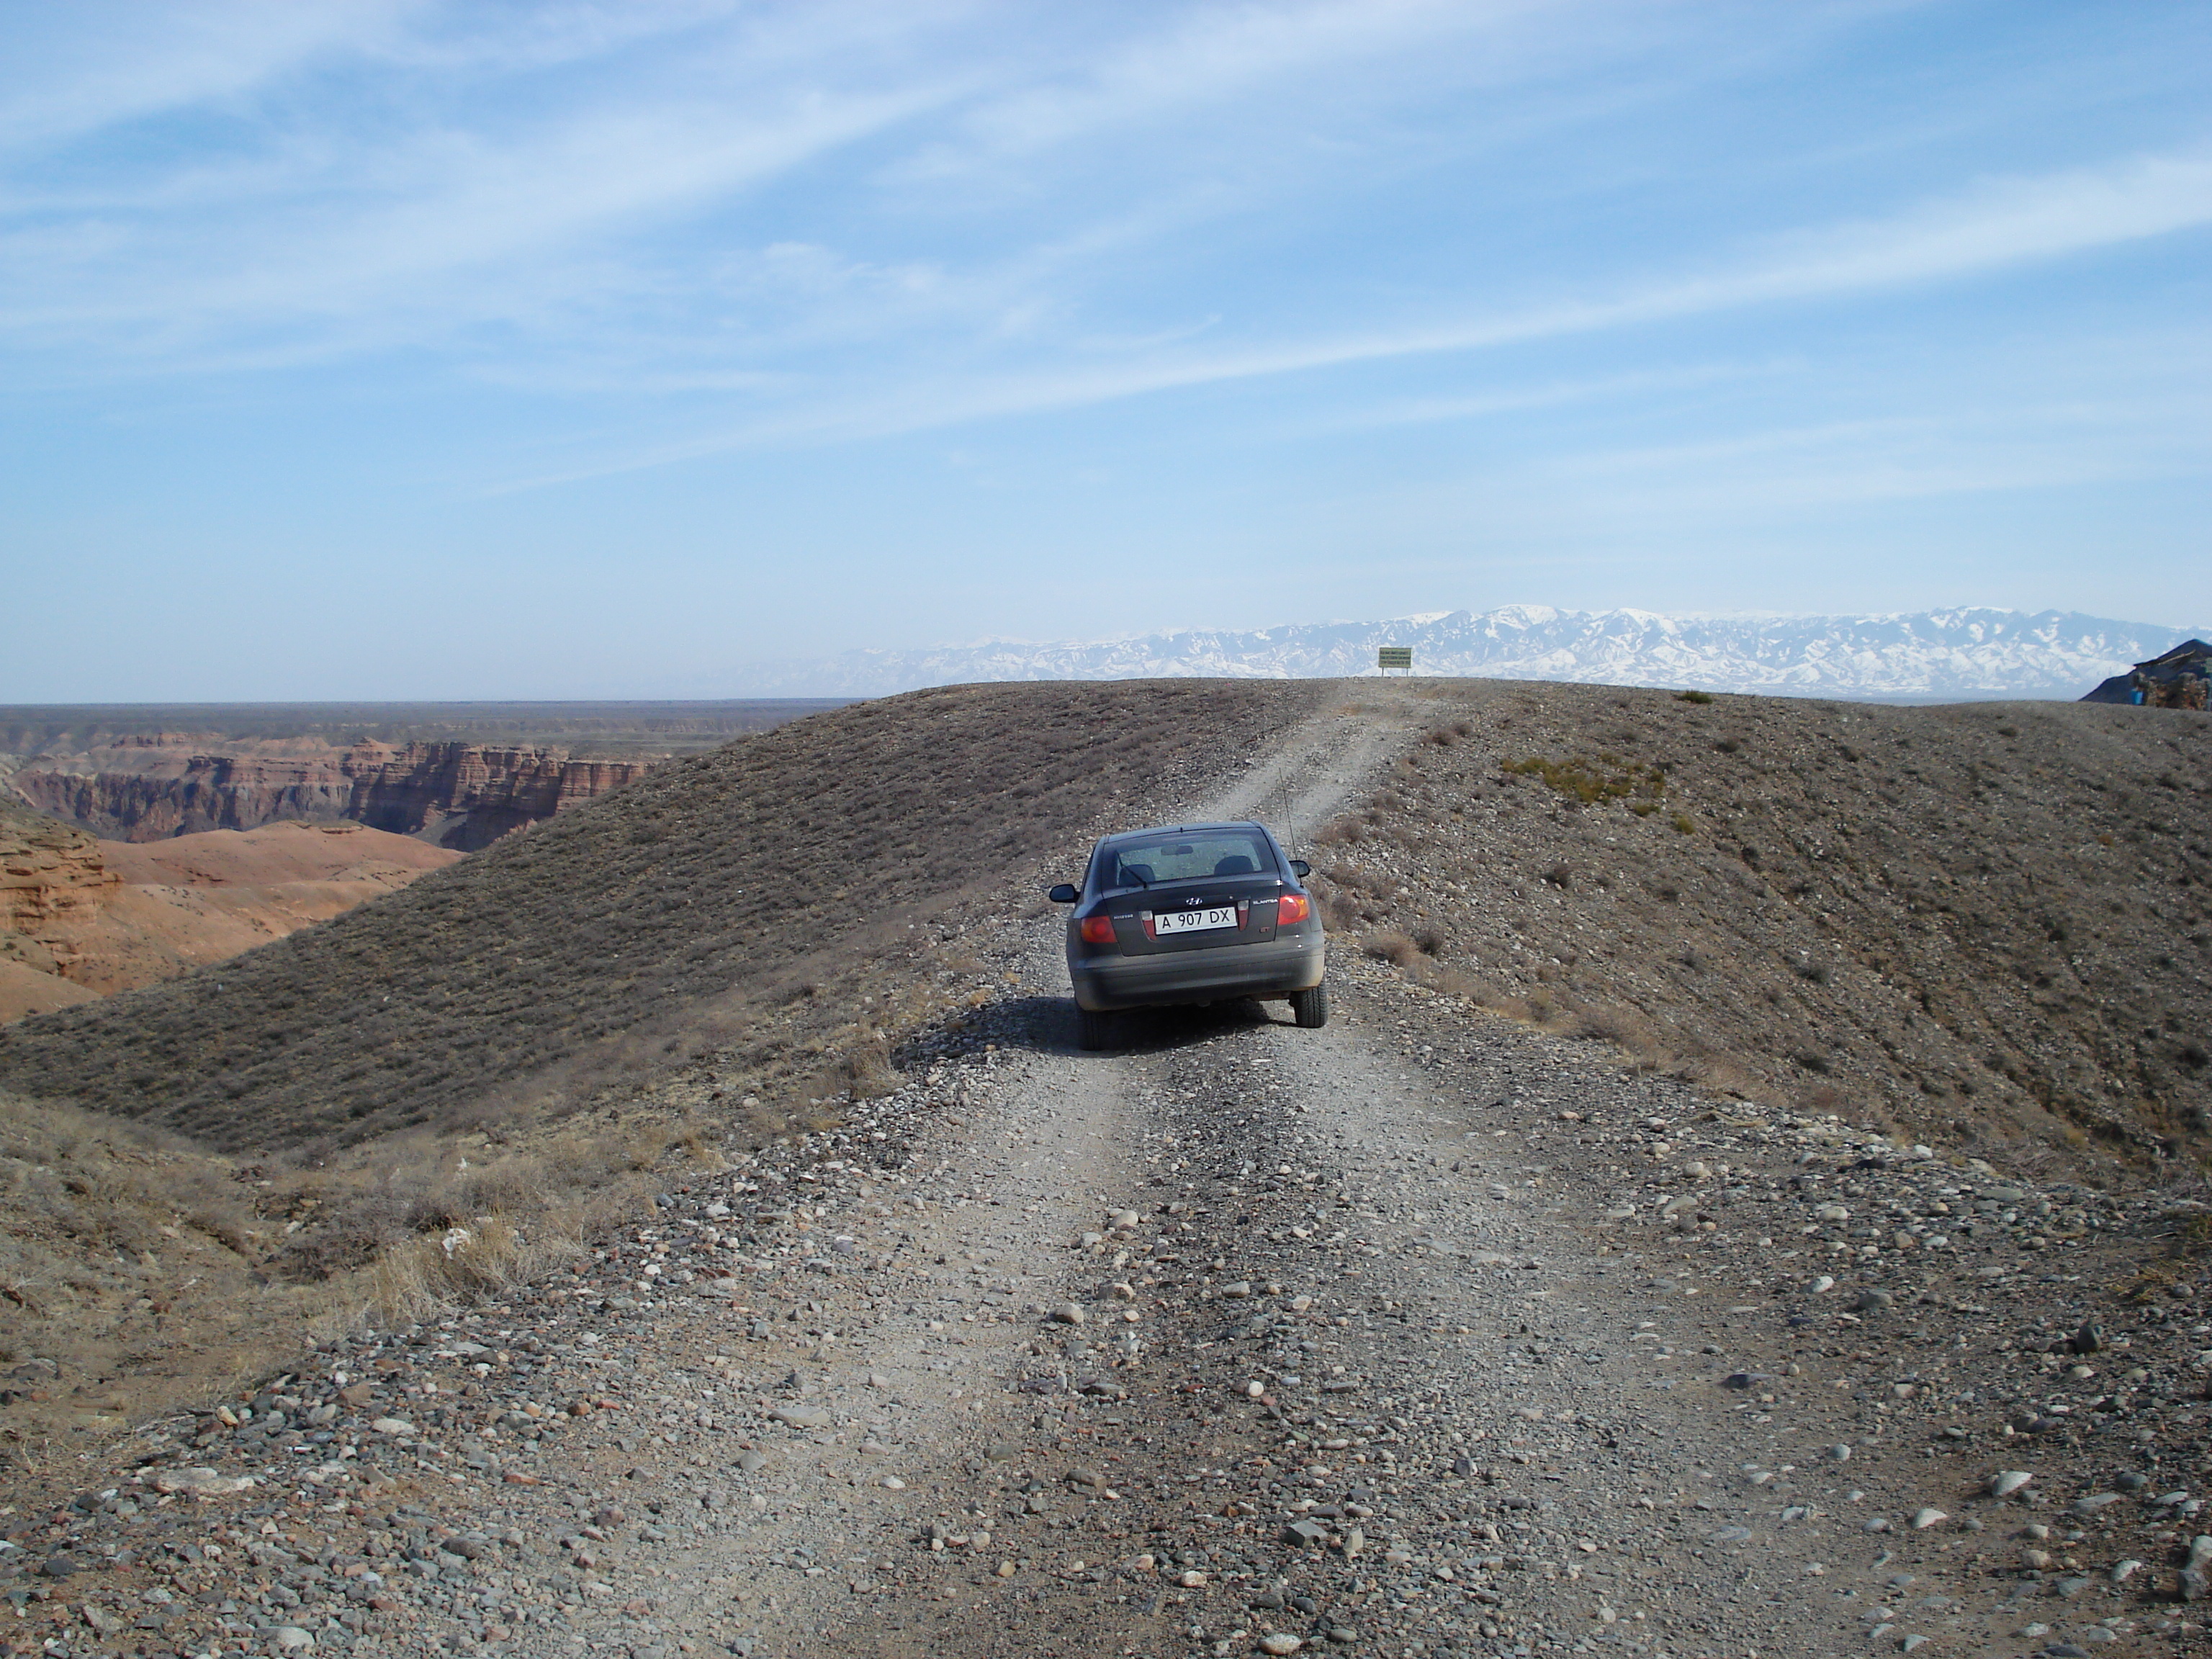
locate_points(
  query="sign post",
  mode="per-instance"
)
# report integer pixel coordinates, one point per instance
(1394, 656)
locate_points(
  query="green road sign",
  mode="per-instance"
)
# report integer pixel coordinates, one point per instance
(1394, 656)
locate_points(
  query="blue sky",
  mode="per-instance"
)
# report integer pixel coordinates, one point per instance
(420, 350)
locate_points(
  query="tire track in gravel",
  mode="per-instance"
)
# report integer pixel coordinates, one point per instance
(1395, 1383)
(1061, 1486)
(1423, 1334)
(967, 1378)
(1455, 1401)
(1245, 1339)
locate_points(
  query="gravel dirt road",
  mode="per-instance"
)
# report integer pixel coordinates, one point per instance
(1425, 1333)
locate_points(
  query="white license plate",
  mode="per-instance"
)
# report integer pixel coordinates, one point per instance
(1193, 921)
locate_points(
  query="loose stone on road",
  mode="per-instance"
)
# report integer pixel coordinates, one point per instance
(1422, 1334)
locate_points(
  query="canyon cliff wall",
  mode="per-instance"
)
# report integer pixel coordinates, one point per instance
(461, 796)
(82, 918)
(53, 883)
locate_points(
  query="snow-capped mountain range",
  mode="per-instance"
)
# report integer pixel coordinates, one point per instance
(1933, 654)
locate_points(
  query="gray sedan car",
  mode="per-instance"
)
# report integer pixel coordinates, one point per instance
(1194, 914)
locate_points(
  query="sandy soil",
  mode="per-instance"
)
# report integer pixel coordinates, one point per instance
(193, 900)
(25, 990)
(275, 855)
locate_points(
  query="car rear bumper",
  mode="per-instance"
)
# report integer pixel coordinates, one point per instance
(1274, 968)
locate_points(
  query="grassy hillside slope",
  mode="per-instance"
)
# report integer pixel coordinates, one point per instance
(1986, 920)
(730, 947)
(704, 907)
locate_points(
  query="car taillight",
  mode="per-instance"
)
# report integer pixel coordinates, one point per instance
(1292, 906)
(1099, 930)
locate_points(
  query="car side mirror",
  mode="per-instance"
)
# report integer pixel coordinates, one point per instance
(1065, 893)
(1301, 869)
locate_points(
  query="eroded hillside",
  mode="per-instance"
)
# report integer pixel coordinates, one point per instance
(1985, 925)
(1985, 921)
(738, 941)
(81, 918)
(457, 795)
(458, 776)
(776, 898)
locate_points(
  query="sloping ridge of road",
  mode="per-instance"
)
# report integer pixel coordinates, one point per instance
(1242, 1339)
(702, 906)
(1020, 1443)
(1089, 1195)
(1157, 1302)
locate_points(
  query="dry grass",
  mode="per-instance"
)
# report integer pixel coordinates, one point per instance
(1986, 923)
(684, 916)
(445, 1092)
(1390, 945)
(140, 1275)
(131, 1278)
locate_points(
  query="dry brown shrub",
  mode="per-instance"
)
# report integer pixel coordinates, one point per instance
(1392, 946)
(1627, 1029)
(1607, 777)
(1453, 981)
(418, 1278)
(1339, 912)
(616, 942)
(868, 1071)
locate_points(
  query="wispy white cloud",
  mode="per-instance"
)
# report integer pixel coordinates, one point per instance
(2005, 223)
(242, 187)
(1991, 227)
(1895, 459)
(1209, 57)
(2002, 222)
(158, 60)
(453, 180)
(2130, 417)
(1386, 412)
(655, 232)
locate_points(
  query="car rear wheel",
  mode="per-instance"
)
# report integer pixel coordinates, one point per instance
(1093, 1030)
(1310, 1008)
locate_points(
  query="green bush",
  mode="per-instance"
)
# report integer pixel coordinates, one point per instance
(1607, 777)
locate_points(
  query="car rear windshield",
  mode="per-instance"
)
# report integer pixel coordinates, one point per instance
(1185, 858)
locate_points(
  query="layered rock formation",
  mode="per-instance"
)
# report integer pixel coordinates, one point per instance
(53, 882)
(81, 918)
(470, 796)
(461, 796)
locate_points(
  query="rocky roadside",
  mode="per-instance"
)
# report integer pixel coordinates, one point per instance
(1627, 1358)
(1630, 1343)
(1424, 1334)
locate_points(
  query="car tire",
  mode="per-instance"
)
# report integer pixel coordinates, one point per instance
(1310, 1008)
(1093, 1031)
